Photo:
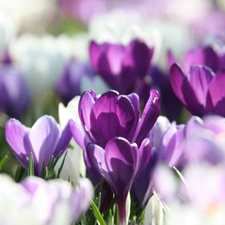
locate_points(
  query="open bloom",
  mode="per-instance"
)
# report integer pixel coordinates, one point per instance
(123, 68)
(201, 90)
(45, 140)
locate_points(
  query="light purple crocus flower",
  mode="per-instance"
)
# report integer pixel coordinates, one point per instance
(200, 90)
(123, 68)
(119, 163)
(45, 140)
(168, 142)
(14, 94)
(205, 139)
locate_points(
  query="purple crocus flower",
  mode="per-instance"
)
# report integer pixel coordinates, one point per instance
(69, 84)
(168, 142)
(201, 90)
(110, 116)
(14, 94)
(123, 68)
(44, 140)
(119, 163)
(207, 56)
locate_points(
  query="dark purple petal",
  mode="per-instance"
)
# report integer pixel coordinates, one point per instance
(15, 134)
(138, 56)
(203, 56)
(144, 153)
(200, 78)
(176, 80)
(121, 159)
(44, 136)
(64, 140)
(112, 115)
(216, 97)
(149, 117)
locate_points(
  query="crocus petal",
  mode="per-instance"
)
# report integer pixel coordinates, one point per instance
(64, 140)
(144, 153)
(173, 141)
(96, 157)
(217, 94)
(95, 53)
(44, 136)
(79, 135)
(200, 78)
(15, 135)
(112, 115)
(204, 56)
(121, 159)
(149, 117)
(138, 56)
(83, 195)
(86, 103)
(176, 80)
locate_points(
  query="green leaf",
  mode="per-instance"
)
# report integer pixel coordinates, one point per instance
(30, 171)
(61, 166)
(97, 213)
(2, 162)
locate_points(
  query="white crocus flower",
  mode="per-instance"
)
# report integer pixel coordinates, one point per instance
(15, 204)
(74, 163)
(8, 30)
(42, 60)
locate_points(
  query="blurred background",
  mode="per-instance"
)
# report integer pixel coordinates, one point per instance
(44, 49)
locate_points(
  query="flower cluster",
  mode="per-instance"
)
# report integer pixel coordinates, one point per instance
(114, 114)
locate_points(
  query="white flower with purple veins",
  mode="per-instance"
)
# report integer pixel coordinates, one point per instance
(39, 202)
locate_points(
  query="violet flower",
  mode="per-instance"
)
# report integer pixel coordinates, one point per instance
(123, 68)
(201, 90)
(168, 144)
(205, 139)
(207, 56)
(45, 140)
(112, 115)
(119, 163)
(13, 90)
